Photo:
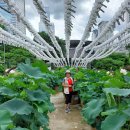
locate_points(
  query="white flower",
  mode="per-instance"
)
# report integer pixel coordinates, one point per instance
(12, 72)
(123, 71)
(108, 72)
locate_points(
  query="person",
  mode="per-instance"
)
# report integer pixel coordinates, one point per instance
(68, 90)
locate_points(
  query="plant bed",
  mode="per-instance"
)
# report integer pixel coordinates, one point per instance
(106, 99)
(25, 100)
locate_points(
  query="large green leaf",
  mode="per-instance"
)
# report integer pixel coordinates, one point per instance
(114, 83)
(114, 122)
(34, 126)
(17, 106)
(28, 61)
(127, 112)
(19, 128)
(127, 79)
(41, 65)
(10, 80)
(117, 91)
(5, 117)
(45, 107)
(37, 95)
(42, 119)
(109, 112)
(7, 92)
(4, 127)
(31, 71)
(110, 99)
(92, 110)
(45, 128)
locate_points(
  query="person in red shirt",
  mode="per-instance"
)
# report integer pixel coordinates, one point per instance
(68, 90)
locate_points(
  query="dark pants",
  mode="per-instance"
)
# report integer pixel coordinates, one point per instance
(68, 98)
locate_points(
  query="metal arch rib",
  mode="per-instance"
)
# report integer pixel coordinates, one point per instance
(30, 28)
(38, 4)
(21, 35)
(110, 42)
(123, 42)
(10, 39)
(108, 27)
(92, 20)
(69, 9)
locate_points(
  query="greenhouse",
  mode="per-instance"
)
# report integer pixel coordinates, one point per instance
(71, 74)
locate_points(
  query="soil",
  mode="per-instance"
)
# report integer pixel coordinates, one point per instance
(59, 120)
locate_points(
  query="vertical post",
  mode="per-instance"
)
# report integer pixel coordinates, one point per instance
(4, 53)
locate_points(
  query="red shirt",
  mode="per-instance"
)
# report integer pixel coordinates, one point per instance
(70, 82)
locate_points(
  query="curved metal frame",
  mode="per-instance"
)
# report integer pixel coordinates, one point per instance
(41, 49)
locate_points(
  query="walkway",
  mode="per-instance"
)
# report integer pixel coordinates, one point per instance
(59, 120)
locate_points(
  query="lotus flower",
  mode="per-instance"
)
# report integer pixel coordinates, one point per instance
(123, 71)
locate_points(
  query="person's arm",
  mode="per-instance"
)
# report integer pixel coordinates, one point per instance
(66, 85)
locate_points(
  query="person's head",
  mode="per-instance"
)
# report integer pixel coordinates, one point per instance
(68, 73)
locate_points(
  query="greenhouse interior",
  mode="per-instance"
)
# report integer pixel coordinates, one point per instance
(64, 65)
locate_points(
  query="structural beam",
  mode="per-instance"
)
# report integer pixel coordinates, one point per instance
(39, 6)
(91, 22)
(39, 39)
(109, 27)
(68, 14)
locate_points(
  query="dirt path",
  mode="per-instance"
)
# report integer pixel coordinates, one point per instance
(59, 120)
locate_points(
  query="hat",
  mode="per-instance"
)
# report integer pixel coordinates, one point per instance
(67, 71)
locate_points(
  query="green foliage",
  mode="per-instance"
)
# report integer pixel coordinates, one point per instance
(37, 95)
(25, 95)
(113, 62)
(114, 122)
(5, 118)
(18, 128)
(2, 26)
(14, 55)
(62, 45)
(7, 92)
(41, 65)
(17, 106)
(114, 82)
(110, 99)
(79, 75)
(25, 99)
(2, 69)
(30, 71)
(46, 37)
(61, 42)
(106, 99)
(92, 109)
(117, 91)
